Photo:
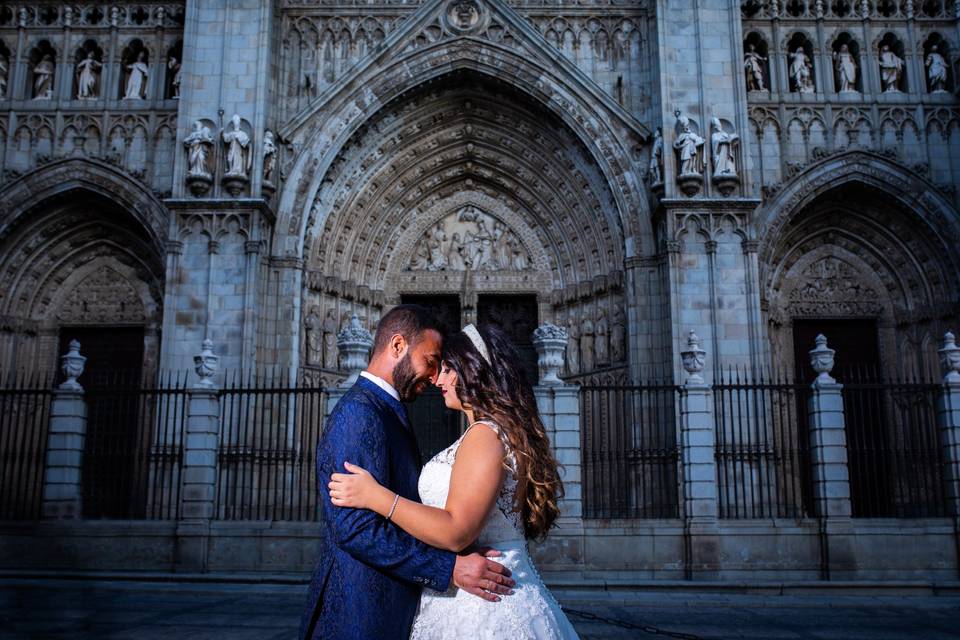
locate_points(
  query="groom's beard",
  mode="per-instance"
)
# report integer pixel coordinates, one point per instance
(406, 381)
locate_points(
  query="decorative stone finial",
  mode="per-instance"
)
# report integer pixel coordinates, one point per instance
(71, 364)
(693, 359)
(821, 359)
(550, 341)
(950, 358)
(207, 364)
(354, 343)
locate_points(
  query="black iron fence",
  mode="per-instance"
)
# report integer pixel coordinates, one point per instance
(629, 451)
(268, 436)
(24, 419)
(133, 450)
(893, 447)
(762, 445)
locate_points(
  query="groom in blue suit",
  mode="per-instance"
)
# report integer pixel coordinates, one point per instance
(368, 580)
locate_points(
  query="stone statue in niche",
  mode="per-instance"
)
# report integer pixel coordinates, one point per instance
(269, 156)
(655, 166)
(174, 65)
(573, 346)
(238, 149)
(587, 361)
(846, 68)
(4, 75)
(753, 69)
(721, 148)
(137, 74)
(469, 239)
(198, 144)
(689, 148)
(936, 70)
(600, 337)
(329, 341)
(88, 77)
(617, 325)
(891, 69)
(801, 71)
(314, 338)
(43, 78)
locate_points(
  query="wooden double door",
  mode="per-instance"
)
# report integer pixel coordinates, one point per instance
(435, 425)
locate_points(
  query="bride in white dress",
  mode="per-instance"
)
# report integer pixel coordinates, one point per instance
(496, 486)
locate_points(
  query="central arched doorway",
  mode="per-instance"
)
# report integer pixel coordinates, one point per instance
(466, 195)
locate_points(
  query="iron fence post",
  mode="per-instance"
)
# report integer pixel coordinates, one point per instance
(699, 467)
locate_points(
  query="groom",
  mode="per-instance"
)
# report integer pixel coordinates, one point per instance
(368, 579)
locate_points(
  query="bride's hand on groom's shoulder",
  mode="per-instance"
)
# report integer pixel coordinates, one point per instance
(475, 573)
(357, 489)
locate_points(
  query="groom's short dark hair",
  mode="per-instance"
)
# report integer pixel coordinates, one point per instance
(409, 320)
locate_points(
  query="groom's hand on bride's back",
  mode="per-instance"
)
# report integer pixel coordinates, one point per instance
(475, 573)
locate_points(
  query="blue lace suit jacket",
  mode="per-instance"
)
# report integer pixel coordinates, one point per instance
(368, 580)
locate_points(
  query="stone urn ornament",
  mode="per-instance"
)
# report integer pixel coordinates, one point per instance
(354, 342)
(71, 364)
(821, 359)
(693, 358)
(550, 342)
(950, 359)
(206, 364)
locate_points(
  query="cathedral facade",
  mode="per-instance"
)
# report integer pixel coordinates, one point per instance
(258, 172)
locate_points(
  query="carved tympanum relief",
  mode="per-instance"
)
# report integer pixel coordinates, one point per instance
(469, 239)
(832, 287)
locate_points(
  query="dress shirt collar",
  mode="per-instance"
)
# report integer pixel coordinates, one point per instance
(383, 384)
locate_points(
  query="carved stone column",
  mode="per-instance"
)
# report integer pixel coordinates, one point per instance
(354, 342)
(550, 341)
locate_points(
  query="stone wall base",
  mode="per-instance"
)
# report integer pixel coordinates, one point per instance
(612, 551)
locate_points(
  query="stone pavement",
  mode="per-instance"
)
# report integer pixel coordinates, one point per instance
(47, 609)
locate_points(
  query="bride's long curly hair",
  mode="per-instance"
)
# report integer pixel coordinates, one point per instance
(499, 391)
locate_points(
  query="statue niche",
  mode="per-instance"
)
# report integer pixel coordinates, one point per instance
(469, 239)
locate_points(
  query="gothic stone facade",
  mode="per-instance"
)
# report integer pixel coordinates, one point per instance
(257, 172)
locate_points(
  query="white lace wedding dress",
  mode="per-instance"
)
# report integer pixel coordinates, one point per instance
(530, 613)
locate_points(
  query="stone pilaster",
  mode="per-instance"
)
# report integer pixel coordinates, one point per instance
(199, 474)
(948, 421)
(62, 481)
(828, 464)
(699, 468)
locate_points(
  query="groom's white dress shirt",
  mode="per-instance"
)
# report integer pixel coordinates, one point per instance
(383, 384)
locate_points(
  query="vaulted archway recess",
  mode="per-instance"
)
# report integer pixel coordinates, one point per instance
(465, 186)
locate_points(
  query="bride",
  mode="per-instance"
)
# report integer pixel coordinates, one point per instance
(496, 486)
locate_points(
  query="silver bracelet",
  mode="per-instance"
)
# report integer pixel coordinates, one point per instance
(396, 499)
